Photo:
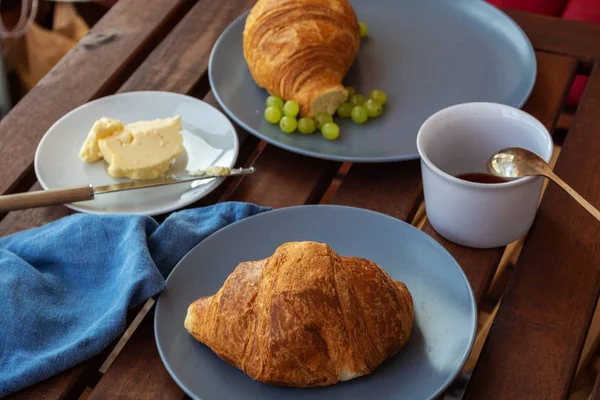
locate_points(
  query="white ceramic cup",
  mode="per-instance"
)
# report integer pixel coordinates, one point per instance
(459, 140)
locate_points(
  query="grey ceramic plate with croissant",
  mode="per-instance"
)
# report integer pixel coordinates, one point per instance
(316, 302)
(425, 54)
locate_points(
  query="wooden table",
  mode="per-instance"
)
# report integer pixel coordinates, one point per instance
(535, 342)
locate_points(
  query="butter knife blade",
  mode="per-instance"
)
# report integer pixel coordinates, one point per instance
(165, 180)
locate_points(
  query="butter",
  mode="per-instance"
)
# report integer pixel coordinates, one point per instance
(213, 170)
(141, 150)
(104, 127)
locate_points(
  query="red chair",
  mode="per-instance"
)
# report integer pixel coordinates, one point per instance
(580, 10)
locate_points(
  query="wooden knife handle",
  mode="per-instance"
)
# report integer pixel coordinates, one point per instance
(42, 198)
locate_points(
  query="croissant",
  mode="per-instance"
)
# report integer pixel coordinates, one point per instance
(304, 317)
(302, 49)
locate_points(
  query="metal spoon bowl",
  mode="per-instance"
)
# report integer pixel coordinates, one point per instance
(515, 162)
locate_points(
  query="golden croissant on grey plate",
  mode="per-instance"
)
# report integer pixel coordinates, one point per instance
(302, 50)
(305, 317)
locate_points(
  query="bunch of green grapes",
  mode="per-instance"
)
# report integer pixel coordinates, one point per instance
(356, 107)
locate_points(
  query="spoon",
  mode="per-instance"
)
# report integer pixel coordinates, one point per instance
(515, 162)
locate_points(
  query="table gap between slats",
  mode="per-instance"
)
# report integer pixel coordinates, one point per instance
(596, 389)
(585, 68)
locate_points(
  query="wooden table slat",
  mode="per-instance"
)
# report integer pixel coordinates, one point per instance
(60, 386)
(17, 221)
(478, 264)
(134, 373)
(285, 179)
(102, 57)
(557, 35)
(389, 188)
(536, 339)
(555, 74)
(181, 59)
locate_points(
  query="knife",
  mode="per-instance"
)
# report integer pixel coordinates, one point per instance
(42, 198)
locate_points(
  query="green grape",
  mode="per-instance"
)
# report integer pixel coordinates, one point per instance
(359, 115)
(330, 131)
(364, 29)
(288, 124)
(323, 118)
(379, 96)
(344, 110)
(272, 114)
(306, 125)
(351, 91)
(374, 109)
(291, 108)
(275, 101)
(357, 100)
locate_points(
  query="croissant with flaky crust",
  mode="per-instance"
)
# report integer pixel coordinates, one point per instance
(302, 49)
(304, 317)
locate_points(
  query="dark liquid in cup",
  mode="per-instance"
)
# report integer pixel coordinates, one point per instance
(481, 178)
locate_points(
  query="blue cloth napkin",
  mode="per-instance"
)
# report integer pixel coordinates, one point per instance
(65, 287)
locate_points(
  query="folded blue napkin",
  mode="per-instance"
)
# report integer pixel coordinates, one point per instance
(65, 287)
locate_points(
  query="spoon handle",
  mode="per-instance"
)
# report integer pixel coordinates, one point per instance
(585, 204)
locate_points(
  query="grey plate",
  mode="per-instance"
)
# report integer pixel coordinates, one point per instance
(445, 311)
(426, 54)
